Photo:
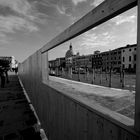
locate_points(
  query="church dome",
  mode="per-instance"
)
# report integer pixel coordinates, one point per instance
(69, 53)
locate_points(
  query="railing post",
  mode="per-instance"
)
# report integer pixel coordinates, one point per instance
(137, 95)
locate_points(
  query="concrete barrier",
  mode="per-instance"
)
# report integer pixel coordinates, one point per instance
(67, 118)
(64, 117)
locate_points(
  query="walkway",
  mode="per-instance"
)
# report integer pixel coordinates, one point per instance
(118, 100)
(17, 119)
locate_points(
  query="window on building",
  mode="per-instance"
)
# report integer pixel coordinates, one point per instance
(135, 57)
(135, 66)
(129, 58)
(123, 50)
(123, 66)
(129, 49)
(123, 59)
(129, 66)
(135, 49)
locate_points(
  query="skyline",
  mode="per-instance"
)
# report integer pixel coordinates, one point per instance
(27, 25)
(100, 52)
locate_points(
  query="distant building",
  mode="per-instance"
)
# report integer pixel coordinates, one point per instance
(105, 60)
(60, 64)
(69, 56)
(52, 64)
(52, 67)
(89, 61)
(84, 61)
(57, 65)
(116, 59)
(129, 58)
(96, 52)
(97, 61)
(123, 58)
(69, 61)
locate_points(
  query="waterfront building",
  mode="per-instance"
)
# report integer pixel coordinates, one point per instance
(123, 58)
(59, 65)
(52, 67)
(84, 61)
(97, 60)
(116, 59)
(105, 61)
(69, 58)
(128, 58)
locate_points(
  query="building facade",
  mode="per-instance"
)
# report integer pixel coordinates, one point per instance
(69, 61)
(128, 58)
(97, 60)
(123, 58)
(116, 60)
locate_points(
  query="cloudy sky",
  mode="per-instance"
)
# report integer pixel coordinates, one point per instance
(27, 25)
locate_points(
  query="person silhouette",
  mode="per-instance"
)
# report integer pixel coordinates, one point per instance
(2, 76)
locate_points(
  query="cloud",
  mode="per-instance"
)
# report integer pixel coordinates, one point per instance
(93, 40)
(78, 1)
(61, 10)
(16, 15)
(97, 2)
(11, 23)
(21, 7)
(55, 10)
(3, 39)
(123, 19)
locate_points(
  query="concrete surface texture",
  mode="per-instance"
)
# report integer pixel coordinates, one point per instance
(121, 101)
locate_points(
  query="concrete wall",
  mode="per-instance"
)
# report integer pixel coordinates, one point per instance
(66, 118)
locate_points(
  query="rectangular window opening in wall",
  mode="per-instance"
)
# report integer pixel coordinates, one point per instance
(96, 58)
